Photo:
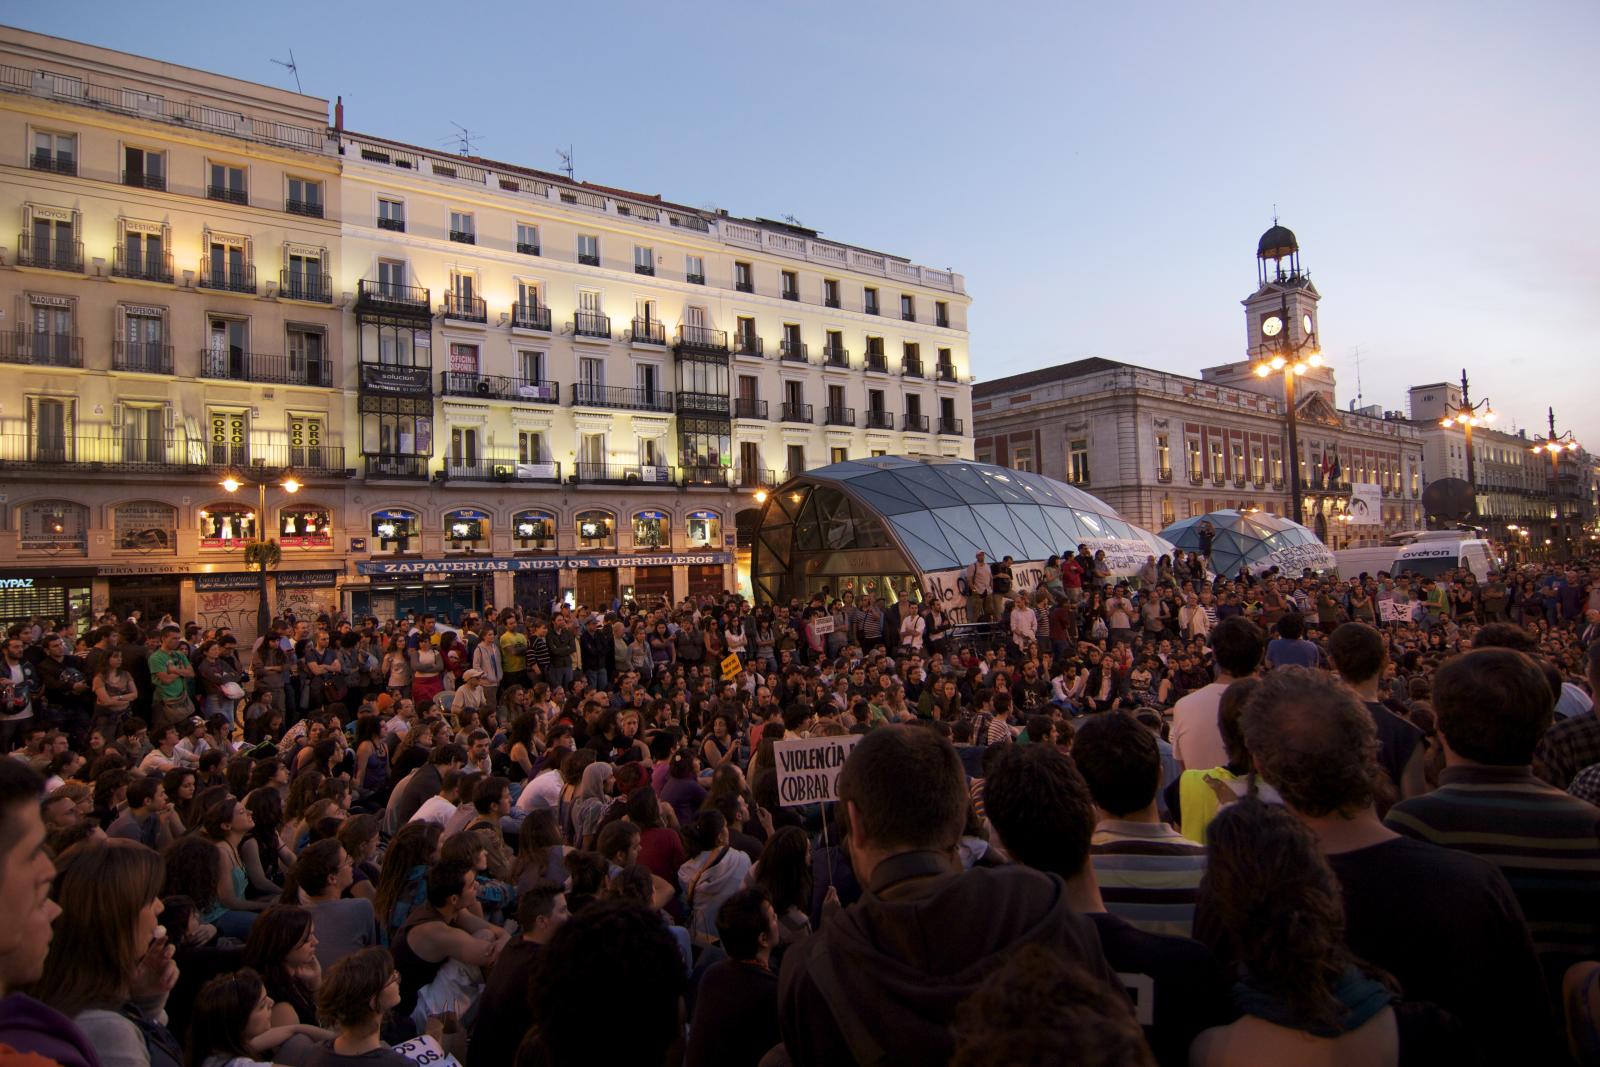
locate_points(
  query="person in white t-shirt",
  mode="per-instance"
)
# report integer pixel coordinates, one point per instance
(1237, 644)
(438, 809)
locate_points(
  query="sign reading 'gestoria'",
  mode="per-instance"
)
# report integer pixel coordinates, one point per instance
(380, 567)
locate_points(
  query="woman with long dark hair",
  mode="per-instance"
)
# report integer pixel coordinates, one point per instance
(110, 953)
(784, 871)
(357, 994)
(282, 948)
(1276, 918)
(405, 870)
(233, 1024)
(262, 851)
(541, 855)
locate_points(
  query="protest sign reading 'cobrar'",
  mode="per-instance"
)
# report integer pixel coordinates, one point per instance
(808, 768)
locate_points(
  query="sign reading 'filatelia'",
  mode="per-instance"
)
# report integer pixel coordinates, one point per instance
(381, 567)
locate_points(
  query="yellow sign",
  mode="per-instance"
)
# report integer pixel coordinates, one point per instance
(731, 666)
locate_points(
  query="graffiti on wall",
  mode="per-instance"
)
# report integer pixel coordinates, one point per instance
(233, 608)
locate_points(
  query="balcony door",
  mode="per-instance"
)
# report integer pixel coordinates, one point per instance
(227, 266)
(649, 379)
(228, 437)
(464, 447)
(52, 333)
(226, 345)
(591, 453)
(307, 359)
(145, 337)
(52, 242)
(305, 442)
(304, 277)
(51, 443)
(144, 434)
(391, 277)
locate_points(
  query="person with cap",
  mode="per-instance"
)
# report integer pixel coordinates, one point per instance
(470, 694)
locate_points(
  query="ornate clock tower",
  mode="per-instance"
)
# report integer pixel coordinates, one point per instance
(1284, 306)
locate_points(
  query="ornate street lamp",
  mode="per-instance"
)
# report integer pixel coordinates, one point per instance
(1466, 416)
(261, 552)
(1553, 446)
(1291, 359)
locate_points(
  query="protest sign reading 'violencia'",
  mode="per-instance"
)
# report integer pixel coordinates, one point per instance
(808, 768)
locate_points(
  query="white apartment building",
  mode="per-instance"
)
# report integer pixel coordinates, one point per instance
(594, 371)
(486, 382)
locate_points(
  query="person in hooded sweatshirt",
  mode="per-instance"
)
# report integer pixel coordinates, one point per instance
(881, 980)
(26, 1025)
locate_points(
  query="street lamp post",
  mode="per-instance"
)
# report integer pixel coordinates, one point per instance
(262, 551)
(1467, 416)
(1553, 446)
(1292, 360)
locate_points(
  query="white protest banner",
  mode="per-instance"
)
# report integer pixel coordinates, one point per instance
(424, 1051)
(1391, 611)
(808, 768)
(1366, 504)
(822, 624)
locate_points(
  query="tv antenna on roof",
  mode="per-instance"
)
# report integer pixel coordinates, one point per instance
(292, 69)
(792, 221)
(464, 138)
(566, 161)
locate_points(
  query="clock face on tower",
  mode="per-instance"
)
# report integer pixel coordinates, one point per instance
(1305, 323)
(1271, 326)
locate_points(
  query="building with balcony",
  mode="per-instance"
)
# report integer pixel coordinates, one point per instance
(490, 381)
(612, 354)
(1522, 499)
(171, 320)
(1159, 447)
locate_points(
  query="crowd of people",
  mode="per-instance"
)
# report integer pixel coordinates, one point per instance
(1173, 819)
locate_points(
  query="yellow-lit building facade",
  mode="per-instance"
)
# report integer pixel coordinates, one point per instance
(485, 382)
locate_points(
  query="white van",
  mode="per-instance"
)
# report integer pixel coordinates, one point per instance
(1430, 559)
(1371, 559)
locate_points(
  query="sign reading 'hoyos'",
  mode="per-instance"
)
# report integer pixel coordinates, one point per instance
(808, 768)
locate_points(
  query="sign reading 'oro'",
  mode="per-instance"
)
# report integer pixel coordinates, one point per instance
(808, 768)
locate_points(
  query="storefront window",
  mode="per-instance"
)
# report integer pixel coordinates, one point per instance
(466, 529)
(652, 530)
(596, 529)
(396, 530)
(534, 531)
(146, 526)
(54, 526)
(226, 526)
(704, 529)
(305, 527)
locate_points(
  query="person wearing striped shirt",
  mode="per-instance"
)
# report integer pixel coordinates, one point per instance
(1149, 874)
(1493, 706)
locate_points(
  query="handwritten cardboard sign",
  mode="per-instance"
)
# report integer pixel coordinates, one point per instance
(731, 667)
(808, 768)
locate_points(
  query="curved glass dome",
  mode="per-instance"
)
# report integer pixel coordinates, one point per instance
(1255, 541)
(893, 516)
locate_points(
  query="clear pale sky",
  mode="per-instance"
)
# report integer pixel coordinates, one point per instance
(1099, 172)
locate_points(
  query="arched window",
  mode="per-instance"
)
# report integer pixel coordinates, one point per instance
(596, 530)
(703, 530)
(54, 526)
(226, 525)
(147, 526)
(305, 526)
(652, 531)
(396, 530)
(466, 529)
(534, 531)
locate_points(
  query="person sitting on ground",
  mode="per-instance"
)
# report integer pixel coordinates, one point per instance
(1272, 908)
(282, 949)
(321, 874)
(1036, 1008)
(502, 1011)
(1148, 873)
(923, 919)
(29, 1026)
(1493, 706)
(736, 1006)
(356, 997)
(1443, 923)
(1290, 648)
(1361, 656)
(443, 929)
(141, 820)
(608, 945)
(713, 872)
(233, 1026)
(1044, 816)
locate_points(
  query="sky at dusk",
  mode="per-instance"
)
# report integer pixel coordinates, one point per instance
(1098, 172)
